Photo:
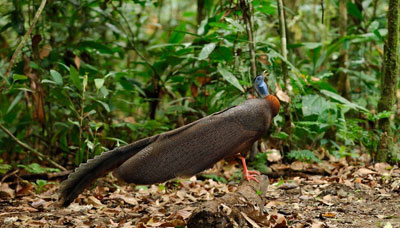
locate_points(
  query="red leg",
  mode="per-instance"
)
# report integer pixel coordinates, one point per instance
(249, 175)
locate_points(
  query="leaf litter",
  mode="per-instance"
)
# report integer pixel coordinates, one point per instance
(334, 193)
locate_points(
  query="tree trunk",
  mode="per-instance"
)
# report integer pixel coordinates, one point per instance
(344, 80)
(389, 82)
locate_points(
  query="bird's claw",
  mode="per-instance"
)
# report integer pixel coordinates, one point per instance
(251, 175)
(255, 172)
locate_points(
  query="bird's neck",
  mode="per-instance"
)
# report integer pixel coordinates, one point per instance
(275, 104)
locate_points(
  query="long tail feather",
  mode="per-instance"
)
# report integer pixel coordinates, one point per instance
(94, 168)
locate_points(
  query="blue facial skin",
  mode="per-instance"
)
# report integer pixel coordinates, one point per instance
(260, 86)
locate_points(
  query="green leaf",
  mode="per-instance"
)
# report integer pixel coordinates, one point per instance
(48, 81)
(227, 75)
(353, 10)
(236, 24)
(303, 155)
(56, 77)
(36, 168)
(74, 75)
(4, 168)
(126, 84)
(206, 51)
(281, 135)
(222, 54)
(19, 77)
(105, 105)
(178, 35)
(15, 101)
(220, 25)
(314, 105)
(311, 45)
(99, 82)
(343, 100)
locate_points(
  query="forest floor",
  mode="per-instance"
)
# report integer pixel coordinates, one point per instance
(328, 194)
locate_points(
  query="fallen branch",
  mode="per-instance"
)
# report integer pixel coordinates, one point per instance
(31, 150)
(235, 209)
(34, 176)
(25, 38)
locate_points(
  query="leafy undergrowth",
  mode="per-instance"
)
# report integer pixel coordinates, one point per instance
(328, 194)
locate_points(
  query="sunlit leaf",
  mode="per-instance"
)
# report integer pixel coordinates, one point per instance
(228, 76)
(206, 51)
(343, 100)
(56, 77)
(99, 82)
(19, 77)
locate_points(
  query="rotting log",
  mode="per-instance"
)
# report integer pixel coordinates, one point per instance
(236, 209)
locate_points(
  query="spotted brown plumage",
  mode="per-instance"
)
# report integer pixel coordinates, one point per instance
(184, 151)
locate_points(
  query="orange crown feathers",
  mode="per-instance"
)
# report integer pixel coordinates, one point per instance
(275, 104)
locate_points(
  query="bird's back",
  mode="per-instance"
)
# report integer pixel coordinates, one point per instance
(196, 147)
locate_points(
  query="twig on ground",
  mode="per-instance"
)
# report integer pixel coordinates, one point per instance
(31, 150)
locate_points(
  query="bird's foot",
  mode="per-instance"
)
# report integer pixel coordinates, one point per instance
(251, 175)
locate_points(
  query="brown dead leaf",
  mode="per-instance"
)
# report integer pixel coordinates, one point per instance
(274, 204)
(153, 223)
(274, 155)
(203, 80)
(328, 215)
(363, 172)
(279, 167)
(287, 186)
(263, 59)
(318, 224)
(78, 208)
(126, 199)
(10, 221)
(327, 198)
(37, 203)
(249, 220)
(382, 168)
(277, 220)
(326, 166)
(6, 191)
(24, 188)
(298, 166)
(283, 96)
(95, 202)
(45, 51)
(77, 62)
(194, 90)
(184, 213)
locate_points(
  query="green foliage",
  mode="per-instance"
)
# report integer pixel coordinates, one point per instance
(36, 168)
(303, 155)
(4, 168)
(124, 71)
(215, 178)
(40, 185)
(259, 163)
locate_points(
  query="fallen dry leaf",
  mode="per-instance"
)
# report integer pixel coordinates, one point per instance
(6, 191)
(363, 172)
(273, 155)
(382, 168)
(328, 215)
(126, 199)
